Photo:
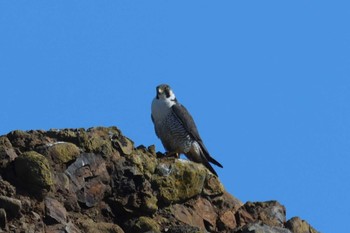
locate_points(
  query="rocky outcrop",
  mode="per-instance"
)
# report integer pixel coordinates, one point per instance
(95, 180)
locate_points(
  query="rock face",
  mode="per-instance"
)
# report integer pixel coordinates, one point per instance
(95, 180)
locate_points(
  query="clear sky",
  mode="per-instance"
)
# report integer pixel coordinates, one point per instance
(267, 82)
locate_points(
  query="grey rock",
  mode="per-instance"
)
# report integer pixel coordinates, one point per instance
(11, 205)
(55, 211)
(259, 227)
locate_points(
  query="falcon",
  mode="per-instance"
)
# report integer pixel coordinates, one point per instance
(176, 128)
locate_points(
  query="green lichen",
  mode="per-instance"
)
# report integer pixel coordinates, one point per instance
(33, 172)
(145, 224)
(185, 180)
(64, 152)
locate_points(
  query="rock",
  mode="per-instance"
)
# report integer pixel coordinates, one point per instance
(11, 205)
(271, 212)
(205, 209)
(89, 226)
(184, 229)
(227, 221)
(179, 180)
(261, 228)
(212, 186)
(3, 219)
(95, 180)
(63, 152)
(7, 153)
(28, 140)
(187, 216)
(33, 172)
(296, 225)
(6, 189)
(88, 174)
(145, 224)
(55, 212)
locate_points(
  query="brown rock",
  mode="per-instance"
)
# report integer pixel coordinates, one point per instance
(271, 213)
(88, 174)
(205, 209)
(227, 221)
(55, 212)
(187, 215)
(7, 153)
(259, 227)
(296, 225)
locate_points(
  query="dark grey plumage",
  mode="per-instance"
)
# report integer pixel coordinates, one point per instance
(177, 130)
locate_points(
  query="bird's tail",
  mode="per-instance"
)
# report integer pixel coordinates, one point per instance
(208, 157)
(210, 168)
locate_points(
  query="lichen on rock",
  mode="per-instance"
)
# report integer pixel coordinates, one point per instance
(33, 172)
(95, 180)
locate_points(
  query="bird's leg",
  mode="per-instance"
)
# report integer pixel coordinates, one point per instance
(172, 154)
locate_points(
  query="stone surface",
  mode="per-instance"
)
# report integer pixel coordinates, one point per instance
(296, 225)
(33, 172)
(55, 211)
(261, 228)
(95, 180)
(89, 226)
(12, 206)
(63, 152)
(7, 153)
(270, 212)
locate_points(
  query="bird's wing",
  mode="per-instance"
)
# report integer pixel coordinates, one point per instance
(187, 121)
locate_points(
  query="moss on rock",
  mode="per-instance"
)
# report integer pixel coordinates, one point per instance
(64, 152)
(146, 224)
(33, 172)
(179, 180)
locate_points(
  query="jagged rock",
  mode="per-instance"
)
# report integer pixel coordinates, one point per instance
(55, 211)
(88, 174)
(6, 189)
(33, 172)
(184, 229)
(95, 180)
(12, 206)
(296, 225)
(272, 213)
(261, 228)
(7, 153)
(28, 140)
(227, 221)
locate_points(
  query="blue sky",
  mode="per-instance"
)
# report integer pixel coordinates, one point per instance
(267, 82)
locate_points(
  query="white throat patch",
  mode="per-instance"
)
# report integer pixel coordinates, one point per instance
(162, 106)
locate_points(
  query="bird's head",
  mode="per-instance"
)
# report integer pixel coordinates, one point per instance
(164, 92)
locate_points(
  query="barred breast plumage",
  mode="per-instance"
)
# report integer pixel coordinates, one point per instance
(175, 137)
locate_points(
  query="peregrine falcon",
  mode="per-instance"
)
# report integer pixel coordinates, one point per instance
(176, 129)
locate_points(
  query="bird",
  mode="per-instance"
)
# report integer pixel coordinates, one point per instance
(176, 129)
